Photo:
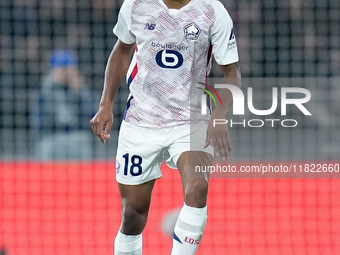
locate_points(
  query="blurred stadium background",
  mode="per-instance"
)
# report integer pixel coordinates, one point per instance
(68, 203)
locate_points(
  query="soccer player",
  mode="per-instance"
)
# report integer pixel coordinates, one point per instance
(171, 41)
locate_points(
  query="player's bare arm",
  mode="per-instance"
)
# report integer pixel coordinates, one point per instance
(219, 135)
(116, 69)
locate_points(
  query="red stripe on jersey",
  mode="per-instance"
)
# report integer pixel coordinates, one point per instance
(133, 73)
(135, 69)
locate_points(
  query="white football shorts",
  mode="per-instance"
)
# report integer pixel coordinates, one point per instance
(141, 150)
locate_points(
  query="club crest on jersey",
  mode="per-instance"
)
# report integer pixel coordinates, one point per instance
(192, 31)
(117, 167)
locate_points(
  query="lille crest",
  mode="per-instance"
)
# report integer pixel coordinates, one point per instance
(117, 167)
(192, 31)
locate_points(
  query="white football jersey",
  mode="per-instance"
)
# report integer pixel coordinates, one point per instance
(173, 50)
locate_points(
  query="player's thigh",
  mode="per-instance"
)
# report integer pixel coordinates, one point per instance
(189, 161)
(189, 138)
(136, 197)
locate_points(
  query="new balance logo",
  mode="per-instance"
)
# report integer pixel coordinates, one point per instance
(149, 26)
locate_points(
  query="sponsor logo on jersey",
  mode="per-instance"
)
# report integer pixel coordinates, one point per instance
(192, 31)
(149, 26)
(232, 35)
(192, 240)
(232, 41)
(231, 45)
(169, 46)
(169, 59)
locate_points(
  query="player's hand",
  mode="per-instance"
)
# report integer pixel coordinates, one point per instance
(218, 136)
(101, 123)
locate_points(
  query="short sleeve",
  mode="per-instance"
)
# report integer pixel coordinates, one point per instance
(222, 37)
(123, 27)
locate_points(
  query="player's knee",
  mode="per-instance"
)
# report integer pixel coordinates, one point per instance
(196, 193)
(133, 221)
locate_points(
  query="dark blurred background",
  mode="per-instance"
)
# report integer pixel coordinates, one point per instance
(288, 38)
